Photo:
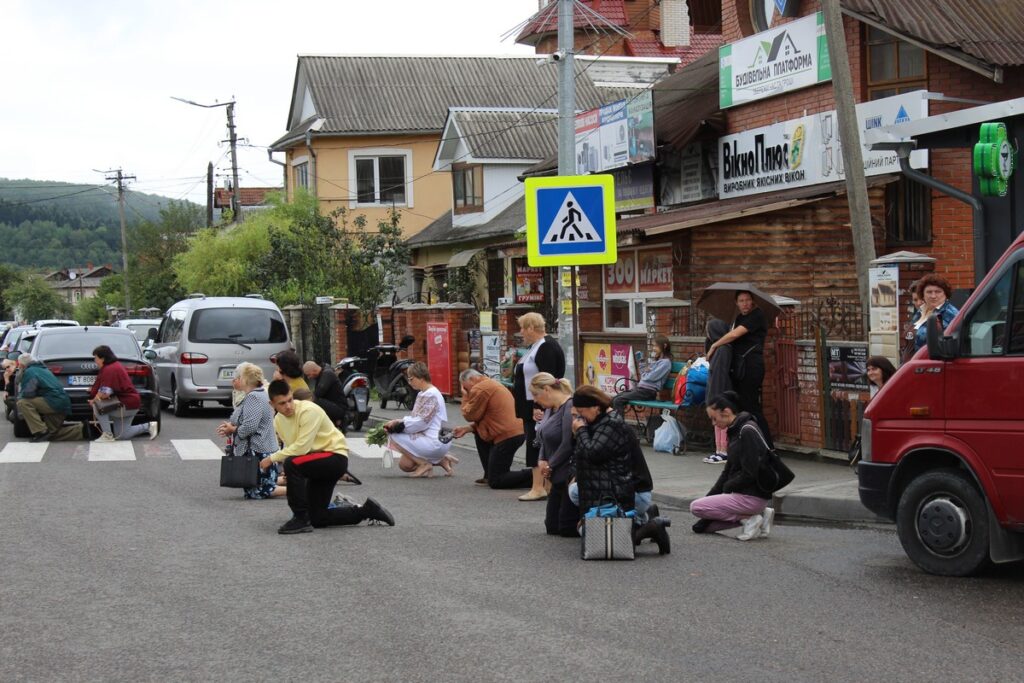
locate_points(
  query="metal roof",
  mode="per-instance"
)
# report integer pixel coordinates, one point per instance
(989, 30)
(359, 95)
(441, 231)
(507, 134)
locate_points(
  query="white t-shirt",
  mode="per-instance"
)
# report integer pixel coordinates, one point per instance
(530, 368)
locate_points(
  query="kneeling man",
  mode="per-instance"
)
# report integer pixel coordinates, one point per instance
(315, 456)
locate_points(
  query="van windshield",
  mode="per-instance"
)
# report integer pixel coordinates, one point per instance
(233, 325)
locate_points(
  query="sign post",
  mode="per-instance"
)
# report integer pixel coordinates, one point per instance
(570, 221)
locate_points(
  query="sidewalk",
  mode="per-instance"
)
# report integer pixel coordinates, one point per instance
(821, 491)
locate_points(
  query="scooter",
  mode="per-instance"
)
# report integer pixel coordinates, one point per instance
(388, 373)
(355, 386)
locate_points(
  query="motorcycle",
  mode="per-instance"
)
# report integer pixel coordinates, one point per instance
(355, 386)
(388, 373)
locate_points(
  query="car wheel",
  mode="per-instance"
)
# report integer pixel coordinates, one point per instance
(942, 521)
(178, 405)
(21, 430)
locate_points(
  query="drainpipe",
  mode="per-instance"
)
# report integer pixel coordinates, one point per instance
(312, 161)
(284, 169)
(978, 210)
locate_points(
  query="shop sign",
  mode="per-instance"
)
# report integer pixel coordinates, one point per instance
(655, 269)
(634, 188)
(785, 58)
(529, 285)
(621, 275)
(848, 367)
(615, 135)
(807, 150)
(439, 356)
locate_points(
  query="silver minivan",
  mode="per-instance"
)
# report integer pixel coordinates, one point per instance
(202, 339)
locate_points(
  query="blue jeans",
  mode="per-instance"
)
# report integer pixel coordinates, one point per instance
(641, 501)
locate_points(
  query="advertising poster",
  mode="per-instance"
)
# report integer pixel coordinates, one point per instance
(655, 266)
(621, 275)
(529, 285)
(588, 142)
(603, 364)
(491, 344)
(614, 138)
(640, 114)
(781, 59)
(439, 356)
(615, 135)
(883, 282)
(623, 363)
(634, 188)
(848, 367)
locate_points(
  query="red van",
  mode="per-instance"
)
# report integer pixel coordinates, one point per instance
(943, 441)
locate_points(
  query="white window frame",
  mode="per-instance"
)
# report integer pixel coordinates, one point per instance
(296, 163)
(637, 323)
(375, 153)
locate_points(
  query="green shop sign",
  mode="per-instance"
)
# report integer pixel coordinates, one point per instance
(994, 160)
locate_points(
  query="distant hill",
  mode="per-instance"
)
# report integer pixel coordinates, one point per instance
(48, 225)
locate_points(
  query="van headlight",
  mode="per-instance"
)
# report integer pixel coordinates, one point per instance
(865, 440)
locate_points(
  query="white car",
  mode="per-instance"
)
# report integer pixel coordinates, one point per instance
(140, 327)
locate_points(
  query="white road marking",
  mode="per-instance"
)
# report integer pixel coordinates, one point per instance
(197, 449)
(110, 452)
(23, 451)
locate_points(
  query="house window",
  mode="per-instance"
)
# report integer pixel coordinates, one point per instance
(894, 66)
(380, 179)
(302, 175)
(638, 276)
(908, 213)
(468, 188)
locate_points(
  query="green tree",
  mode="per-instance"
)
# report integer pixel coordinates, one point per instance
(93, 311)
(36, 300)
(8, 276)
(153, 246)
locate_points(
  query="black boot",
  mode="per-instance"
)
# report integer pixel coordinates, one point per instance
(653, 511)
(661, 535)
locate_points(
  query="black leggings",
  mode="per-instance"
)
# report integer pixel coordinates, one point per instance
(562, 515)
(311, 480)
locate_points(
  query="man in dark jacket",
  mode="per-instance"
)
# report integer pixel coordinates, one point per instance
(43, 403)
(327, 392)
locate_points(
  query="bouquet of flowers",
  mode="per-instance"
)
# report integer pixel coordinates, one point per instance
(376, 436)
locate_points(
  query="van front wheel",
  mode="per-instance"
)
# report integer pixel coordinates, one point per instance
(942, 520)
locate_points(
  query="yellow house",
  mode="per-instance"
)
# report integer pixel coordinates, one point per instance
(363, 131)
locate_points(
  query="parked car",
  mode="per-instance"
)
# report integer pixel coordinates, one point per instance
(202, 340)
(67, 352)
(141, 327)
(55, 322)
(13, 336)
(942, 443)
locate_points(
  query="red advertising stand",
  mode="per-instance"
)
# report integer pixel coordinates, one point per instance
(439, 358)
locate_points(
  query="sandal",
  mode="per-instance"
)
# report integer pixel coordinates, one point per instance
(716, 459)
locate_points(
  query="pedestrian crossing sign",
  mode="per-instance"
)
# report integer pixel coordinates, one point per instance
(570, 220)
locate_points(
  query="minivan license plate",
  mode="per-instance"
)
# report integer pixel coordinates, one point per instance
(227, 374)
(81, 380)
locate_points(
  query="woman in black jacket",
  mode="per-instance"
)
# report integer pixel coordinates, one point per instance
(544, 355)
(736, 498)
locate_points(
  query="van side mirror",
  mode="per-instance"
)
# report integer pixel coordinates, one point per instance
(940, 347)
(13, 355)
(149, 354)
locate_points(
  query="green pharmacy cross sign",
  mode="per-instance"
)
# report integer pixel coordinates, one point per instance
(994, 160)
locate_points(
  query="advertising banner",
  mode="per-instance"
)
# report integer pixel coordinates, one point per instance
(781, 59)
(621, 275)
(634, 188)
(848, 367)
(529, 285)
(439, 356)
(615, 135)
(655, 266)
(807, 150)
(603, 364)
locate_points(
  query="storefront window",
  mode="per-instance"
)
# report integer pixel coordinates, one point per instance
(637, 277)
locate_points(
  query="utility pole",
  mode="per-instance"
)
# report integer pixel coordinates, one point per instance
(209, 194)
(236, 202)
(120, 179)
(853, 158)
(567, 167)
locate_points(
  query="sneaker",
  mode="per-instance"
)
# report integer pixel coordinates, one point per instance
(766, 525)
(375, 512)
(40, 437)
(751, 528)
(716, 459)
(105, 437)
(154, 429)
(295, 525)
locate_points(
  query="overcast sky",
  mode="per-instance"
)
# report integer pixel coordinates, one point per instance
(88, 85)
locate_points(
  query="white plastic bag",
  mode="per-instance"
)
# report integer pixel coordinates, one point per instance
(667, 437)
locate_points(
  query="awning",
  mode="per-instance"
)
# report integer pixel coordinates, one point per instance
(739, 207)
(461, 258)
(687, 102)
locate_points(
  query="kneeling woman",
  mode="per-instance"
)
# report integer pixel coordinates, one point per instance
(554, 432)
(416, 435)
(736, 498)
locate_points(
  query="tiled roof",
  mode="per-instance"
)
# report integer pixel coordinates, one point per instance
(984, 29)
(648, 44)
(441, 230)
(409, 94)
(546, 20)
(508, 134)
(248, 196)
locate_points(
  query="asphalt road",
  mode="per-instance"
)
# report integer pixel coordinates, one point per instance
(146, 570)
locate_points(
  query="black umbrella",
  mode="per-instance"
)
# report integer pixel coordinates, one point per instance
(719, 300)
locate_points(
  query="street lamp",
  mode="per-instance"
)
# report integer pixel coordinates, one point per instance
(236, 202)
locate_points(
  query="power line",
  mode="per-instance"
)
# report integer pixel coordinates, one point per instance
(48, 199)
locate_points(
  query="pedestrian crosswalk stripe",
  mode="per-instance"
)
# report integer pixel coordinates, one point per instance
(110, 452)
(197, 449)
(360, 448)
(23, 451)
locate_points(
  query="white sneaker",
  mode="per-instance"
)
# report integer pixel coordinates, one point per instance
(105, 437)
(766, 525)
(154, 429)
(751, 528)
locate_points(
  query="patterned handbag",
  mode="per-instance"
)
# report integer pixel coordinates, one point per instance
(607, 534)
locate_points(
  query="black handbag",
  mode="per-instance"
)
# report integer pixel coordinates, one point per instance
(240, 471)
(106, 405)
(773, 474)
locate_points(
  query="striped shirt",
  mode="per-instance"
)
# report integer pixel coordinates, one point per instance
(255, 421)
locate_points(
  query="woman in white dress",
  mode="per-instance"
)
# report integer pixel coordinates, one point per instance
(416, 435)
